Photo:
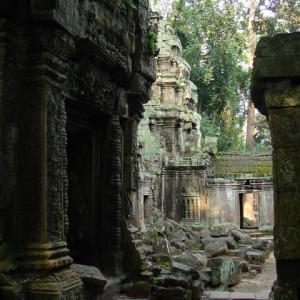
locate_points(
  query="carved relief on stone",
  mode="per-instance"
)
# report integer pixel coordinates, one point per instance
(287, 168)
(64, 285)
(92, 86)
(285, 127)
(56, 165)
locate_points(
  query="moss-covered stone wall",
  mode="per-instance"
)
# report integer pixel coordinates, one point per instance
(243, 165)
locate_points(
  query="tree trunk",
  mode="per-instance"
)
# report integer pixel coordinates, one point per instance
(250, 130)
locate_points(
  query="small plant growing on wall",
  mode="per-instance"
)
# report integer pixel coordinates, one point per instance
(152, 42)
(129, 3)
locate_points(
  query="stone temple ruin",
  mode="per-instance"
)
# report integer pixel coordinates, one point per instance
(83, 173)
(180, 176)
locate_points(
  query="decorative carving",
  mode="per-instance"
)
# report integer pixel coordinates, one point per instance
(93, 86)
(56, 160)
(64, 285)
(45, 256)
(287, 169)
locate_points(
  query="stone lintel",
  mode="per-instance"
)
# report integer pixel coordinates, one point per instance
(101, 56)
(279, 45)
(269, 68)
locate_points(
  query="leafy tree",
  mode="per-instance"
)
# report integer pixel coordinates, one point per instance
(277, 16)
(273, 17)
(214, 38)
(262, 137)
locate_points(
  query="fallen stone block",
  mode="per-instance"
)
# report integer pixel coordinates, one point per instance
(139, 289)
(184, 269)
(215, 247)
(255, 257)
(242, 238)
(187, 258)
(224, 271)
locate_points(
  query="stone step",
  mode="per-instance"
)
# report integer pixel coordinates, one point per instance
(214, 295)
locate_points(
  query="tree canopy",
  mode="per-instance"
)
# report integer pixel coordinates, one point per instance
(214, 39)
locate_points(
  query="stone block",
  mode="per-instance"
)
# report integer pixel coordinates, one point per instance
(196, 261)
(162, 259)
(184, 269)
(139, 289)
(172, 281)
(241, 237)
(215, 247)
(224, 271)
(90, 275)
(197, 288)
(162, 245)
(255, 257)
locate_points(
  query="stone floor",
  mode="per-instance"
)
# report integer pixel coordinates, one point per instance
(213, 295)
(258, 288)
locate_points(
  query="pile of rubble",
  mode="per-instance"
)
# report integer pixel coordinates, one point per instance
(173, 261)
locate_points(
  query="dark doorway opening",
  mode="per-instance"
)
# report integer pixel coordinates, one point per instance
(84, 147)
(248, 211)
(146, 209)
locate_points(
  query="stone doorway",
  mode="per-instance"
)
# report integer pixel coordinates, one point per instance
(85, 135)
(147, 209)
(249, 212)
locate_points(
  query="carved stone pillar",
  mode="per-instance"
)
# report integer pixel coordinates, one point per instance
(112, 207)
(36, 121)
(42, 183)
(276, 92)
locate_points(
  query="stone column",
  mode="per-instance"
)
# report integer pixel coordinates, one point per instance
(111, 258)
(276, 92)
(284, 114)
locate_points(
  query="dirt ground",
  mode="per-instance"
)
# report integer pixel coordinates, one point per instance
(262, 281)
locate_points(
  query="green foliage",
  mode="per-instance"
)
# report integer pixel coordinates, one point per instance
(277, 16)
(129, 3)
(152, 42)
(207, 128)
(262, 137)
(214, 38)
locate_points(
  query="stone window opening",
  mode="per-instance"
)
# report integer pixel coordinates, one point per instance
(191, 208)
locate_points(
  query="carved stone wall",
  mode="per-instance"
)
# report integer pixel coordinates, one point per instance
(74, 76)
(276, 93)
